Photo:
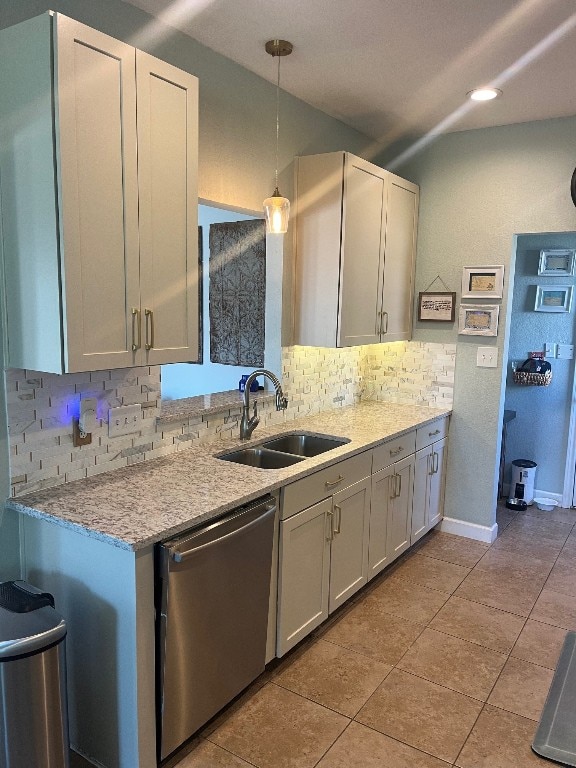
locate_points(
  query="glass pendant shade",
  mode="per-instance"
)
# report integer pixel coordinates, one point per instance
(277, 211)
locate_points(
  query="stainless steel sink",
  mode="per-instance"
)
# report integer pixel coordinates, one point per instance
(261, 457)
(304, 445)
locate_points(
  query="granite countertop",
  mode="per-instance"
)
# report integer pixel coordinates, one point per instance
(140, 505)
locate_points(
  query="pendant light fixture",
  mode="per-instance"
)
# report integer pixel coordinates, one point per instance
(277, 208)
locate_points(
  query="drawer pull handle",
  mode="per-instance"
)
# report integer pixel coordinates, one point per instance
(331, 483)
(431, 434)
(338, 524)
(397, 451)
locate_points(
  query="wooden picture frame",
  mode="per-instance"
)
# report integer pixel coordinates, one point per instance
(478, 319)
(557, 261)
(553, 298)
(483, 282)
(437, 306)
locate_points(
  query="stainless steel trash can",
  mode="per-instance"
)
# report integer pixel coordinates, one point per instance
(33, 702)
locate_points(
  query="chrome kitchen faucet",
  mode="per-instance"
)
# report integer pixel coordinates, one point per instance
(249, 423)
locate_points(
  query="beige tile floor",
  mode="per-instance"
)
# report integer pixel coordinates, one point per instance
(443, 660)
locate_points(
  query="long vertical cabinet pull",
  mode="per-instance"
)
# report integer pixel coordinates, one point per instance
(330, 521)
(136, 326)
(338, 517)
(383, 330)
(149, 316)
(435, 461)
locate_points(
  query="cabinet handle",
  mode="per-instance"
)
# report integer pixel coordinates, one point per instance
(136, 324)
(332, 483)
(392, 486)
(330, 521)
(399, 493)
(436, 432)
(339, 518)
(149, 315)
(397, 451)
(384, 330)
(435, 461)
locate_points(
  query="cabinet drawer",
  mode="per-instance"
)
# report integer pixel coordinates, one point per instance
(394, 450)
(303, 493)
(431, 433)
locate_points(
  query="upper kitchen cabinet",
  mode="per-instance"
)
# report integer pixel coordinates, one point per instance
(98, 163)
(355, 248)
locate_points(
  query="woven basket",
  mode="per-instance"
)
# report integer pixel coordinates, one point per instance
(526, 379)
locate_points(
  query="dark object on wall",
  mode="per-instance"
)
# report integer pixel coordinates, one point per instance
(573, 187)
(237, 292)
(533, 372)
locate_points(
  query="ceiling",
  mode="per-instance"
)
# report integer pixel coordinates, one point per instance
(395, 69)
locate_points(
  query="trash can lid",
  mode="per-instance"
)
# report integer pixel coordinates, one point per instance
(28, 621)
(526, 463)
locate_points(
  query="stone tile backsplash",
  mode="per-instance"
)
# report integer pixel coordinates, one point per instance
(41, 407)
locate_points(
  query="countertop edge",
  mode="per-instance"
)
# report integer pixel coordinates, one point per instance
(288, 475)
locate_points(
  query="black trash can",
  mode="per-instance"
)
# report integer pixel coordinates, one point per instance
(33, 701)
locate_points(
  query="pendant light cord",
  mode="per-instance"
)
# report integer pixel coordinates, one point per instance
(277, 118)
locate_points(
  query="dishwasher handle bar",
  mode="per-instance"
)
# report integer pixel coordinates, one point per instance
(267, 508)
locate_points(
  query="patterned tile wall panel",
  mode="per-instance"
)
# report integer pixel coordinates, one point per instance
(41, 407)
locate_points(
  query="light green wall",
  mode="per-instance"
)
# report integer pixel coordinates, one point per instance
(478, 190)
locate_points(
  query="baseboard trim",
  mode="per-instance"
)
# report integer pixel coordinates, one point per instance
(483, 533)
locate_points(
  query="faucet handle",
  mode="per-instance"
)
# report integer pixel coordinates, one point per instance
(281, 401)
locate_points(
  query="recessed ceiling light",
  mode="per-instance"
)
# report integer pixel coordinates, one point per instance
(484, 94)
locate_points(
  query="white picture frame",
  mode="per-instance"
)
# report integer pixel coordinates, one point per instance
(478, 319)
(557, 262)
(553, 298)
(483, 282)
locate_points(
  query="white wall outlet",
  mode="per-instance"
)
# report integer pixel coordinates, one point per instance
(487, 357)
(87, 418)
(124, 420)
(565, 351)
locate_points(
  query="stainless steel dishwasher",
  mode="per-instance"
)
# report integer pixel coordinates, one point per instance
(212, 597)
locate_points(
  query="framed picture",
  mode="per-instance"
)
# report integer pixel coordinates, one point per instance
(482, 282)
(439, 306)
(559, 261)
(553, 298)
(478, 319)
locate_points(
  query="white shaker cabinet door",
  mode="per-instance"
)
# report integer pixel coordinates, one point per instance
(349, 552)
(362, 238)
(421, 497)
(303, 573)
(400, 518)
(437, 483)
(382, 498)
(95, 94)
(167, 178)
(399, 257)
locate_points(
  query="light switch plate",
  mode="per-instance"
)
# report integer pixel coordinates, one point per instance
(550, 349)
(124, 420)
(487, 357)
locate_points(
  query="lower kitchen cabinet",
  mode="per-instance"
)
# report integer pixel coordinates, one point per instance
(349, 545)
(303, 573)
(323, 561)
(429, 477)
(400, 518)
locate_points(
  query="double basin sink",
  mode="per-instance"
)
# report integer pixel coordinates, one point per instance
(283, 451)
